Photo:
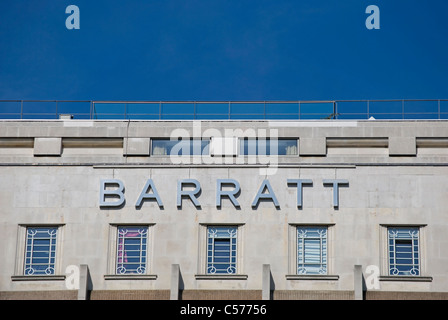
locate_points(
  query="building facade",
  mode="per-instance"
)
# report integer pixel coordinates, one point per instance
(324, 209)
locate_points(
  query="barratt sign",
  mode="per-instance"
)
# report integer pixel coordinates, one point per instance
(112, 192)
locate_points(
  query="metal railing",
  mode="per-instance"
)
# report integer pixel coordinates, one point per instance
(225, 110)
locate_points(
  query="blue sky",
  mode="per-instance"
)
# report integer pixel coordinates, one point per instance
(223, 50)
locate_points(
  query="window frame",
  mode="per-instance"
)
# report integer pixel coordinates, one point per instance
(413, 241)
(384, 252)
(123, 241)
(242, 140)
(21, 250)
(323, 250)
(113, 244)
(202, 256)
(293, 253)
(213, 238)
(206, 147)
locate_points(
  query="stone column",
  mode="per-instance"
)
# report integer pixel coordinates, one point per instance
(85, 282)
(175, 281)
(359, 283)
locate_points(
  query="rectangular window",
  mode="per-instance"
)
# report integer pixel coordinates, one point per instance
(40, 250)
(131, 250)
(281, 147)
(221, 249)
(182, 147)
(312, 250)
(403, 245)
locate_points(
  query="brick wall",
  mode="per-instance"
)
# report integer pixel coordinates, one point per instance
(130, 295)
(312, 295)
(39, 295)
(399, 295)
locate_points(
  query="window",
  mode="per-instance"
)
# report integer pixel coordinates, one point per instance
(40, 251)
(221, 249)
(403, 243)
(219, 255)
(312, 250)
(252, 146)
(183, 147)
(131, 257)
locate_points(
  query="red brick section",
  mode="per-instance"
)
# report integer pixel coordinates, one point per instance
(312, 295)
(130, 295)
(39, 295)
(397, 295)
(219, 295)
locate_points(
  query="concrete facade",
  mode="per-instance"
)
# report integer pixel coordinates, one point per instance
(396, 173)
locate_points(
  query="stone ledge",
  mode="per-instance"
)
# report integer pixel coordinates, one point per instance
(406, 278)
(312, 277)
(37, 278)
(221, 276)
(47, 146)
(130, 277)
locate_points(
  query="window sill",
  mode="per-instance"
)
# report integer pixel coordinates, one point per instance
(38, 278)
(221, 276)
(406, 278)
(312, 277)
(130, 277)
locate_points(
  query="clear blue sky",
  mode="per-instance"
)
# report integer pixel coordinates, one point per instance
(223, 50)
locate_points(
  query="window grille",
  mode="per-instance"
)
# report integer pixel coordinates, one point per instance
(40, 252)
(221, 250)
(403, 251)
(132, 250)
(312, 250)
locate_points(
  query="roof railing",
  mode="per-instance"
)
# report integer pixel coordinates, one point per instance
(225, 110)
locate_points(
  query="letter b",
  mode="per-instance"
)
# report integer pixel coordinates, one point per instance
(116, 193)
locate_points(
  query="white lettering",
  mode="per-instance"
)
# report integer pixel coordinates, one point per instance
(372, 281)
(197, 310)
(72, 280)
(373, 21)
(72, 21)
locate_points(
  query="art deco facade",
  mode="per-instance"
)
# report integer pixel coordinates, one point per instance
(324, 209)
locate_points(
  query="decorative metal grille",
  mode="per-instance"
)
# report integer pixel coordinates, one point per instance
(132, 249)
(221, 250)
(312, 250)
(40, 252)
(404, 251)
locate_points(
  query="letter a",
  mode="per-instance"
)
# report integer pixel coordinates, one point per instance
(72, 21)
(372, 281)
(144, 195)
(373, 21)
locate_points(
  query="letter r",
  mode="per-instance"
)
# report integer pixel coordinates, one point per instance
(231, 194)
